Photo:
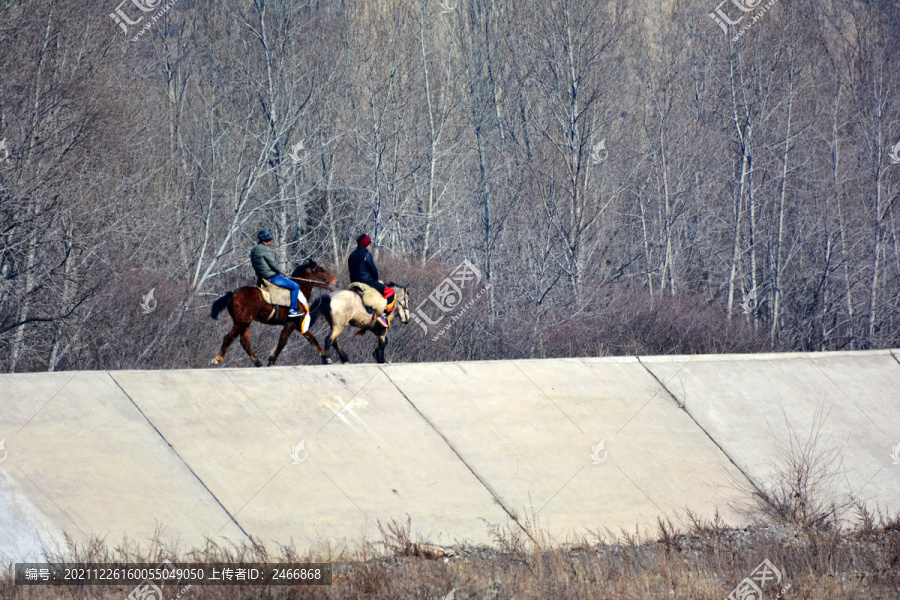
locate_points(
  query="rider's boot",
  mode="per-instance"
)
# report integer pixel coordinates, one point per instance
(391, 297)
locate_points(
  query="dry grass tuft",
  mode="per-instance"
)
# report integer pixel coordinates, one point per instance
(704, 562)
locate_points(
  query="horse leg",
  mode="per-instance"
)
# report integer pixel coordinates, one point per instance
(379, 350)
(312, 340)
(286, 332)
(226, 342)
(329, 339)
(245, 342)
(335, 332)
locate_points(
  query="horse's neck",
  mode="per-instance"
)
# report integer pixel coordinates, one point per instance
(304, 274)
(306, 287)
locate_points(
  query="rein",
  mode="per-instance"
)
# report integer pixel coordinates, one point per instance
(322, 281)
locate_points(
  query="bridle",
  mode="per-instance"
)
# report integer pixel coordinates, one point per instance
(402, 303)
(320, 279)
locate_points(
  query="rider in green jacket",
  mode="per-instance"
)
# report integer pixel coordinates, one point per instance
(263, 260)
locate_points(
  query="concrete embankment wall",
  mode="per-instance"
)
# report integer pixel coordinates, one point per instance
(311, 455)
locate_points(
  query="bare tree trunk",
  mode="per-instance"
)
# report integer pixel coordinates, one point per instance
(876, 258)
(19, 337)
(648, 252)
(331, 214)
(435, 130)
(842, 227)
(825, 294)
(745, 135)
(667, 278)
(56, 352)
(752, 241)
(779, 244)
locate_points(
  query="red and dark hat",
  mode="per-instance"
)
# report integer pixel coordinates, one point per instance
(363, 240)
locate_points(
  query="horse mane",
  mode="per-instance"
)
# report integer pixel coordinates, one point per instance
(308, 264)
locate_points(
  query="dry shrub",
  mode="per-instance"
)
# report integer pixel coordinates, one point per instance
(632, 322)
(803, 487)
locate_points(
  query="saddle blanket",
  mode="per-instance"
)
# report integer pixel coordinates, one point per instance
(371, 299)
(273, 294)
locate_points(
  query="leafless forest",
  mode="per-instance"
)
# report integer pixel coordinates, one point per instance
(626, 176)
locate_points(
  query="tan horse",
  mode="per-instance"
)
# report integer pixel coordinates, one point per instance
(345, 308)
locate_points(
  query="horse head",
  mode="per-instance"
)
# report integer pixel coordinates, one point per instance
(316, 274)
(402, 308)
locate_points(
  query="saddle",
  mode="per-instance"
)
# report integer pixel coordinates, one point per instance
(271, 293)
(372, 300)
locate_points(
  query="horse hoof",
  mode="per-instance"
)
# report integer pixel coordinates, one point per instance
(257, 364)
(215, 362)
(326, 360)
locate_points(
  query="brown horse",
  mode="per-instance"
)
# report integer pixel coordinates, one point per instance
(247, 305)
(345, 308)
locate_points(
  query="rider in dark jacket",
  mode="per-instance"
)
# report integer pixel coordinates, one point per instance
(363, 270)
(362, 265)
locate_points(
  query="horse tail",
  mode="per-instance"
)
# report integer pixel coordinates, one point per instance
(319, 306)
(220, 305)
